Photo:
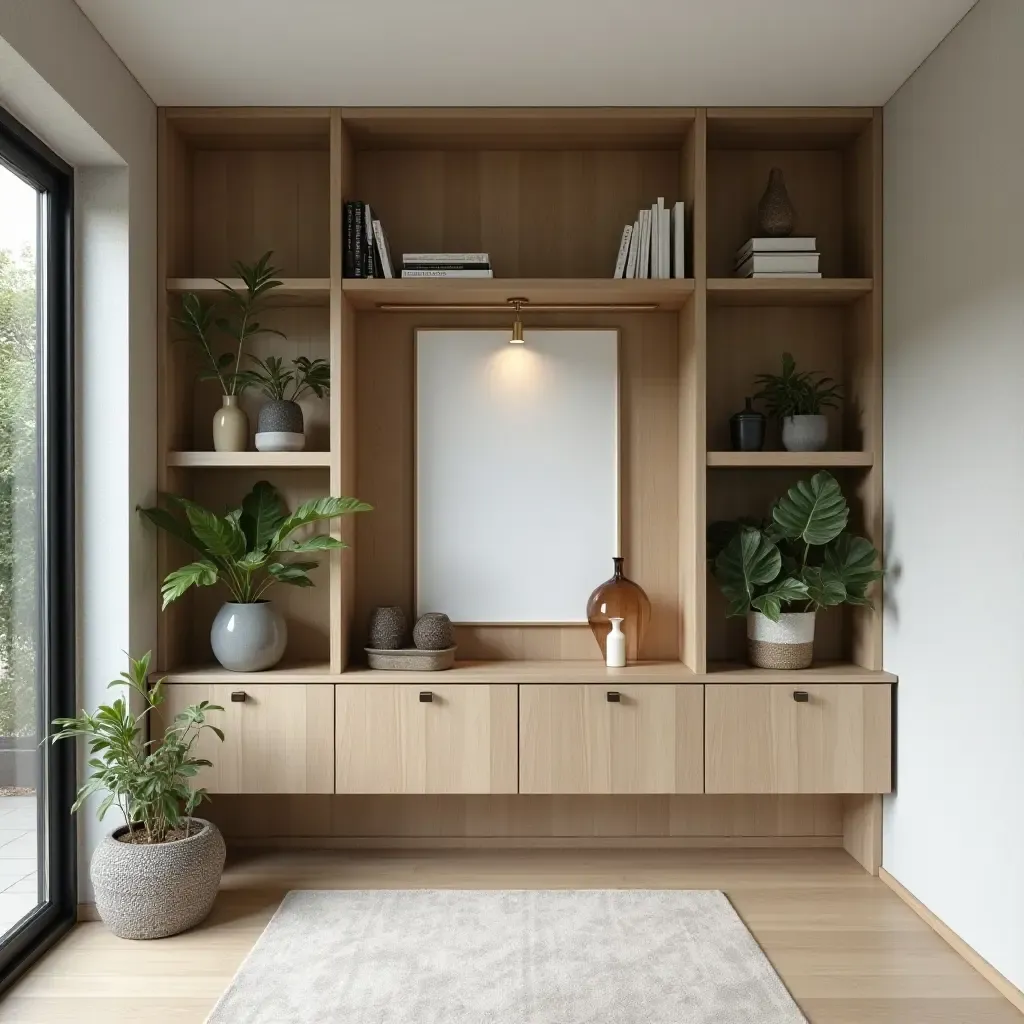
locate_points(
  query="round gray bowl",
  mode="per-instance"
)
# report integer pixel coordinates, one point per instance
(248, 637)
(150, 892)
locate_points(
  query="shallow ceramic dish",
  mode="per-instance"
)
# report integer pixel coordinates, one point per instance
(411, 660)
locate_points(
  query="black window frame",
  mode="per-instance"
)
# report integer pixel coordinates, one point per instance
(32, 160)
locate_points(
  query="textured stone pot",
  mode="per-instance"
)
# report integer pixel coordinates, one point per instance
(387, 628)
(775, 214)
(804, 433)
(786, 644)
(230, 426)
(433, 632)
(280, 428)
(248, 637)
(149, 892)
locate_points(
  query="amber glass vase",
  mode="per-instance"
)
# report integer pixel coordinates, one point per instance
(619, 598)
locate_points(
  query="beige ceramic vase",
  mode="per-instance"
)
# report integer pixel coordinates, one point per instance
(230, 427)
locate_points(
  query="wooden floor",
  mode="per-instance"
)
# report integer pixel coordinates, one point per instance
(848, 949)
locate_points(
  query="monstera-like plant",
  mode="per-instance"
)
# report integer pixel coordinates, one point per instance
(248, 550)
(802, 556)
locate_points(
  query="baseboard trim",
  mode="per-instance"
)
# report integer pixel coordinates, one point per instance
(87, 912)
(1002, 984)
(533, 842)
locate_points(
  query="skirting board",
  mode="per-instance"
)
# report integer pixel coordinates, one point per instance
(87, 912)
(1003, 985)
(536, 842)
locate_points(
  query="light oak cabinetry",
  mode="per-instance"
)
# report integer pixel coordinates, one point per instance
(798, 738)
(277, 739)
(434, 738)
(601, 739)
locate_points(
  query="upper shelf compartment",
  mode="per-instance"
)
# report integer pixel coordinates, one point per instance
(243, 183)
(829, 160)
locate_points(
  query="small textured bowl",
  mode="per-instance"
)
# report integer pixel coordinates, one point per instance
(433, 632)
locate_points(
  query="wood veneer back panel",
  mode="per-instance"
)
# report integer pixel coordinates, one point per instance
(649, 407)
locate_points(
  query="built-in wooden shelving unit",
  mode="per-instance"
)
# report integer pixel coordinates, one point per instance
(546, 192)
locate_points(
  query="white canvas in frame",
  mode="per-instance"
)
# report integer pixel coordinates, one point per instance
(517, 472)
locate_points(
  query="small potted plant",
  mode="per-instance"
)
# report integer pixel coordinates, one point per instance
(158, 873)
(248, 550)
(280, 427)
(200, 321)
(801, 558)
(797, 398)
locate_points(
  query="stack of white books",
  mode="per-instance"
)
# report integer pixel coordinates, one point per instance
(654, 245)
(446, 264)
(777, 257)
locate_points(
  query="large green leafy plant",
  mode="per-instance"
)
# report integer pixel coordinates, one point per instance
(251, 548)
(796, 392)
(150, 781)
(800, 556)
(202, 320)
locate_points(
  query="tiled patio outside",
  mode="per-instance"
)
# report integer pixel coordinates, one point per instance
(19, 883)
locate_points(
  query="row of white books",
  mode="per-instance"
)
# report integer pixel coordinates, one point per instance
(777, 257)
(654, 245)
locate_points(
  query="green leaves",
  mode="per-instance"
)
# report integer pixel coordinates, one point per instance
(795, 392)
(852, 562)
(781, 592)
(813, 511)
(293, 574)
(263, 512)
(316, 511)
(149, 783)
(747, 562)
(195, 574)
(222, 537)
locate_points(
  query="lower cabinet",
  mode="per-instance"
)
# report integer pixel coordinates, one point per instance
(278, 738)
(796, 738)
(414, 739)
(594, 739)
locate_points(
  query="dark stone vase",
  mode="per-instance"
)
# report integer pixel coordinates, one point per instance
(776, 217)
(433, 632)
(387, 628)
(746, 429)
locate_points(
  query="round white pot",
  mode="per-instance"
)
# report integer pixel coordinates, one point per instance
(248, 637)
(804, 433)
(149, 892)
(786, 644)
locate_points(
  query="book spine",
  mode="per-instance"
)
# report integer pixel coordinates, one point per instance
(679, 240)
(447, 273)
(382, 249)
(445, 257)
(655, 241)
(665, 241)
(358, 242)
(634, 247)
(446, 266)
(348, 260)
(620, 260)
(643, 269)
(371, 260)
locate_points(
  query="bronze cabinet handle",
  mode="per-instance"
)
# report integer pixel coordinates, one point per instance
(801, 696)
(239, 696)
(614, 697)
(426, 697)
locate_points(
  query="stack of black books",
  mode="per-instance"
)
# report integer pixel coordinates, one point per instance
(446, 264)
(367, 253)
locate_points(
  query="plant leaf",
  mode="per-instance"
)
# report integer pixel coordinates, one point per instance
(195, 574)
(316, 511)
(747, 562)
(319, 542)
(263, 512)
(813, 511)
(294, 574)
(823, 588)
(163, 519)
(853, 561)
(781, 592)
(222, 536)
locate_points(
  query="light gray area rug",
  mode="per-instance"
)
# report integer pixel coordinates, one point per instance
(506, 957)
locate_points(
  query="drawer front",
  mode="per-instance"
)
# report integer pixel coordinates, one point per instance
(798, 738)
(460, 740)
(573, 739)
(279, 739)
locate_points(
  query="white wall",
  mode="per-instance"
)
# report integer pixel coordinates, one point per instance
(60, 78)
(954, 471)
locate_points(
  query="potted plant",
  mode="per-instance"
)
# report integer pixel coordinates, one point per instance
(158, 873)
(199, 320)
(280, 427)
(801, 557)
(248, 550)
(797, 398)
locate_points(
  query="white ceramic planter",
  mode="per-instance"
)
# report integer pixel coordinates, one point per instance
(248, 637)
(786, 644)
(230, 426)
(804, 433)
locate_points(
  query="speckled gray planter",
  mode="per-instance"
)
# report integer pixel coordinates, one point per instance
(432, 632)
(248, 637)
(280, 428)
(387, 628)
(150, 892)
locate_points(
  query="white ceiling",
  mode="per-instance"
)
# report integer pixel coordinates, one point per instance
(523, 53)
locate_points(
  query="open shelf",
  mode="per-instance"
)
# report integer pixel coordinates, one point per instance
(789, 460)
(249, 460)
(834, 672)
(437, 293)
(788, 291)
(300, 672)
(294, 291)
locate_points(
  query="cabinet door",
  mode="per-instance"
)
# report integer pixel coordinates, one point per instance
(278, 738)
(611, 739)
(798, 738)
(440, 738)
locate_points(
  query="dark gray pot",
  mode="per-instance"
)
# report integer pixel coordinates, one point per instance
(387, 628)
(433, 632)
(280, 418)
(149, 892)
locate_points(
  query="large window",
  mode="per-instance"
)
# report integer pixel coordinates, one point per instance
(37, 634)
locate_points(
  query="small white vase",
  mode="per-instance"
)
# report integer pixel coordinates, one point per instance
(615, 645)
(230, 426)
(804, 433)
(787, 644)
